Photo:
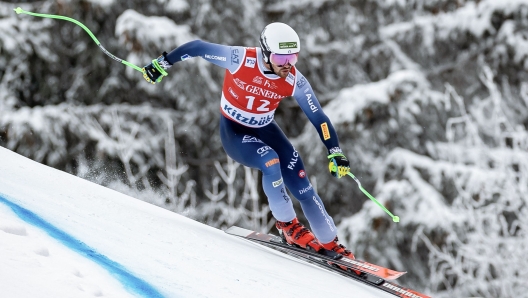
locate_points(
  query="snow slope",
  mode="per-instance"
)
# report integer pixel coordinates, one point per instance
(61, 236)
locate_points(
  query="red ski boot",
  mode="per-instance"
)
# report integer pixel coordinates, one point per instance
(340, 249)
(296, 234)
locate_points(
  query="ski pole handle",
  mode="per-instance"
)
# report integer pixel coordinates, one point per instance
(394, 218)
(19, 10)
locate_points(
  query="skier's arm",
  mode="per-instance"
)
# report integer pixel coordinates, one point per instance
(228, 57)
(305, 97)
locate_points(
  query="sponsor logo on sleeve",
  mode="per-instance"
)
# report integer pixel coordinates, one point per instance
(326, 131)
(302, 174)
(311, 103)
(235, 57)
(301, 82)
(214, 57)
(250, 62)
(185, 57)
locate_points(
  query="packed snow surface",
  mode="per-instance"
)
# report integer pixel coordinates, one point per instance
(62, 236)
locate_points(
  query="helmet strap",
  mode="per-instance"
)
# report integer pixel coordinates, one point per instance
(271, 71)
(266, 56)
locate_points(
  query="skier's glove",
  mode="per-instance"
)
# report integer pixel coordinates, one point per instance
(155, 71)
(338, 165)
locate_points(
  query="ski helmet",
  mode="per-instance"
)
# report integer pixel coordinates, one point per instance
(279, 38)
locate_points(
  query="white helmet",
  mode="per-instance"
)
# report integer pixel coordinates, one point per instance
(279, 38)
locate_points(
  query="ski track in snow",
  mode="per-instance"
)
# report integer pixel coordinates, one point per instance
(44, 257)
(131, 282)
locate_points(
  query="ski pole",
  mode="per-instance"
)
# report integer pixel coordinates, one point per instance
(394, 218)
(19, 10)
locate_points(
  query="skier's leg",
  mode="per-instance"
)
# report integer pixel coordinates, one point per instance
(243, 146)
(296, 180)
(313, 207)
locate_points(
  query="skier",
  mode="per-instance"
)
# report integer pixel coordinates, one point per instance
(256, 80)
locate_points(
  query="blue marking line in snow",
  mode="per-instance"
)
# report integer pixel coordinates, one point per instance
(129, 281)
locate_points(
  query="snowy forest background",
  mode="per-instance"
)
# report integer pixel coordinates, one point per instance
(429, 98)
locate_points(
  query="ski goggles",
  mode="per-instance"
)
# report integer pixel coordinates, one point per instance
(282, 59)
